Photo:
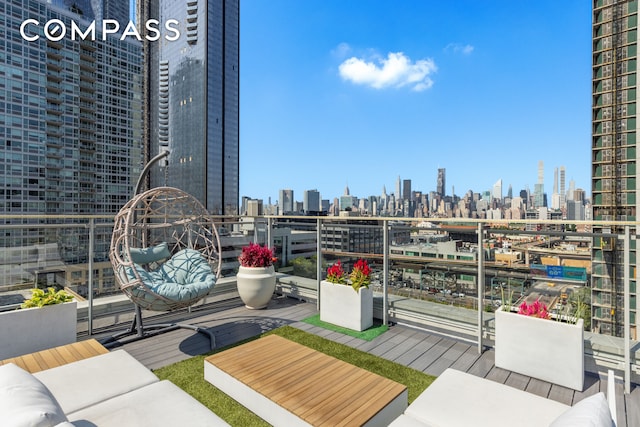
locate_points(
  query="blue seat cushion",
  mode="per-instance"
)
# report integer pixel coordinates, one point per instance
(150, 254)
(185, 276)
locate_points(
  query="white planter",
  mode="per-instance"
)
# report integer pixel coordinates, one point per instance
(256, 285)
(28, 330)
(546, 349)
(341, 305)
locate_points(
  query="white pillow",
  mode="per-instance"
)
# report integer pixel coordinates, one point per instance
(592, 411)
(25, 401)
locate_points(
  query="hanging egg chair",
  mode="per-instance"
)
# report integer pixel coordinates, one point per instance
(165, 254)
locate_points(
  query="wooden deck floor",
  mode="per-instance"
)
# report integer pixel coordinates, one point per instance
(428, 352)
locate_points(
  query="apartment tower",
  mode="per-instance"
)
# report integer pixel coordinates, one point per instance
(192, 100)
(70, 129)
(615, 158)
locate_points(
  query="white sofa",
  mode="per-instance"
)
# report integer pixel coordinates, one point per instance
(459, 399)
(112, 389)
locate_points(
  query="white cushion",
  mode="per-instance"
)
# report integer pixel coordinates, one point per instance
(592, 411)
(160, 404)
(456, 398)
(89, 381)
(25, 401)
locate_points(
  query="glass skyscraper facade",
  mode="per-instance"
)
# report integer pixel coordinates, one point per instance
(70, 121)
(193, 100)
(615, 159)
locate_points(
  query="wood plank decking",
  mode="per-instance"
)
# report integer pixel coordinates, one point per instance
(427, 352)
(57, 356)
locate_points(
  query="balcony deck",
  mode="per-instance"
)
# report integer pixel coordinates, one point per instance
(428, 352)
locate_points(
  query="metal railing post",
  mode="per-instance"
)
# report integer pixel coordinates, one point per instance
(480, 285)
(318, 260)
(92, 227)
(269, 233)
(385, 271)
(627, 311)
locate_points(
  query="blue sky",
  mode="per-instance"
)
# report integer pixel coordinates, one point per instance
(359, 92)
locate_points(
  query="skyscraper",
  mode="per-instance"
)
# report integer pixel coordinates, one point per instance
(538, 189)
(70, 115)
(192, 100)
(311, 202)
(614, 158)
(286, 202)
(440, 186)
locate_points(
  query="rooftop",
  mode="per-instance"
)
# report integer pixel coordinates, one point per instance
(428, 352)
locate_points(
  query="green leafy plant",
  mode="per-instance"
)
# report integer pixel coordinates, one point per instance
(50, 296)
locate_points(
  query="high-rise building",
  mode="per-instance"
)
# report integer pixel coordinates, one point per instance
(406, 189)
(70, 115)
(440, 186)
(286, 202)
(311, 202)
(496, 192)
(538, 188)
(615, 157)
(192, 99)
(563, 189)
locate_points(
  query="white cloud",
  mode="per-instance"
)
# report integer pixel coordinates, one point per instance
(464, 49)
(396, 70)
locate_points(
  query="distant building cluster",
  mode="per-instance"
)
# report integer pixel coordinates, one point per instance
(565, 203)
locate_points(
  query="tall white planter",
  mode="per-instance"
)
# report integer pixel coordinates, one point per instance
(256, 285)
(546, 349)
(27, 330)
(341, 305)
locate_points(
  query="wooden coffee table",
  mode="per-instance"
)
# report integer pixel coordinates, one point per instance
(288, 384)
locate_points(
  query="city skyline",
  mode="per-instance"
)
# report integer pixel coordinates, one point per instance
(358, 96)
(549, 189)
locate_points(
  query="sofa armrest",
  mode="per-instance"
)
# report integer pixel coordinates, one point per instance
(611, 395)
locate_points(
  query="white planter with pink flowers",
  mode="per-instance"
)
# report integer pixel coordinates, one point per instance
(545, 349)
(342, 306)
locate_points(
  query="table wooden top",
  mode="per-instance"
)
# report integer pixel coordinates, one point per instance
(57, 356)
(318, 388)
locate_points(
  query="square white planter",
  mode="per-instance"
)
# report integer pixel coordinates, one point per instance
(28, 330)
(546, 349)
(341, 305)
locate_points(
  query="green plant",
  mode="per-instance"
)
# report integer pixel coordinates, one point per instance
(50, 296)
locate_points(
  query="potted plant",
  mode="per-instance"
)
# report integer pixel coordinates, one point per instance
(256, 276)
(535, 343)
(345, 300)
(48, 319)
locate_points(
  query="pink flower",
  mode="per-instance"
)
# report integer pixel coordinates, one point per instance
(537, 309)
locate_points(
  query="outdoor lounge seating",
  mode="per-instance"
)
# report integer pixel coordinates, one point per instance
(456, 398)
(111, 389)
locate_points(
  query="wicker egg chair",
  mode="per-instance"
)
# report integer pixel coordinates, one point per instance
(165, 253)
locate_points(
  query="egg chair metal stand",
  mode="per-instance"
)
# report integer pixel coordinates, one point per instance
(165, 254)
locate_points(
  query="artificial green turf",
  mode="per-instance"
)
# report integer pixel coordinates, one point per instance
(367, 335)
(189, 375)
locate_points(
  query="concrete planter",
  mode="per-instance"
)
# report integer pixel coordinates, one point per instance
(546, 349)
(256, 285)
(33, 329)
(342, 306)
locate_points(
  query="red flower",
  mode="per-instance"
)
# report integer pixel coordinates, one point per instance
(335, 273)
(360, 274)
(255, 255)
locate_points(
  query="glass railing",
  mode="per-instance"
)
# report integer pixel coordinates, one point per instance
(448, 275)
